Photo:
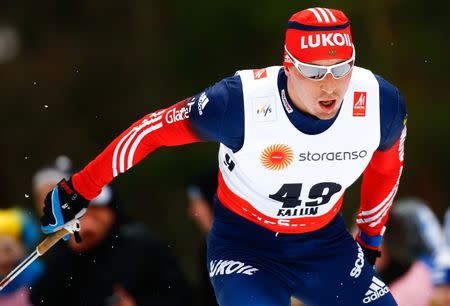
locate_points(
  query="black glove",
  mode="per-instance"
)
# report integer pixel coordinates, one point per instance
(371, 255)
(61, 205)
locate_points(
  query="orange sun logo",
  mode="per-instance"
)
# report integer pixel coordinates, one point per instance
(277, 157)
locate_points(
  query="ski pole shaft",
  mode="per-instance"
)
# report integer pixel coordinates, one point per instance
(41, 249)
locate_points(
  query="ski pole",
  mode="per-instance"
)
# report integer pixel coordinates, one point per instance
(41, 249)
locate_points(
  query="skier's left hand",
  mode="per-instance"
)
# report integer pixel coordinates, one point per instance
(62, 205)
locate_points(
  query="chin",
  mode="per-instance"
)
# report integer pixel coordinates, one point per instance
(322, 116)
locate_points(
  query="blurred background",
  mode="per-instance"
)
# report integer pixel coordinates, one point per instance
(74, 74)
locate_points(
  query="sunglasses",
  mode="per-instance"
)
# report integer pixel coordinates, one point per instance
(318, 73)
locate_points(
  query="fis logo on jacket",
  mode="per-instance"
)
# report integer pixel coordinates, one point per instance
(264, 109)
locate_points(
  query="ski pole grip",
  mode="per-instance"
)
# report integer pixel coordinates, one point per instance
(50, 241)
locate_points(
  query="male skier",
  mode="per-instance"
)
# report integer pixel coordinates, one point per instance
(292, 140)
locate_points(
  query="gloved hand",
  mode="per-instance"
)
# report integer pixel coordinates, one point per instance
(371, 255)
(63, 204)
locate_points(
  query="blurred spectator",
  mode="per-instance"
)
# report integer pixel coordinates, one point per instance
(9, 43)
(18, 236)
(200, 198)
(117, 263)
(441, 278)
(441, 269)
(412, 237)
(200, 195)
(45, 179)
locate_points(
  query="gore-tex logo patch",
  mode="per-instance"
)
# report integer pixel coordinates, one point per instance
(359, 103)
(260, 73)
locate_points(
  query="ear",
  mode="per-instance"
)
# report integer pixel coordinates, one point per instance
(287, 70)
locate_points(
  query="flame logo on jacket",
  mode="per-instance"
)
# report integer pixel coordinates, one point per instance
(277, 157)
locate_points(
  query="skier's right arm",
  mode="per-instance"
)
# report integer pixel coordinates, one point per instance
(195, 119)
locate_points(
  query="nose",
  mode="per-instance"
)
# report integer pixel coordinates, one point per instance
(328, 84)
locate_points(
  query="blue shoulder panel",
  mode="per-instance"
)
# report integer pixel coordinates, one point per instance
(392, 114)
(218, 113)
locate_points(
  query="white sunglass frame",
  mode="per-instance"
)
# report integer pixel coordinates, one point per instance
(297, 63)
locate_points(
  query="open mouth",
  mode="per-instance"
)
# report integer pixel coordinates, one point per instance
(327, 103)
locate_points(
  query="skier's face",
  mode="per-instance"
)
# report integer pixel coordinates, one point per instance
(319, 98)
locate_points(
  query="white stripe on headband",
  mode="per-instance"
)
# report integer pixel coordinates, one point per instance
(319, 19)
(331, 14)
(324, 14)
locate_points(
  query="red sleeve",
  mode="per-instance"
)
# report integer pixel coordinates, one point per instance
(167, 127)
(379, 187)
